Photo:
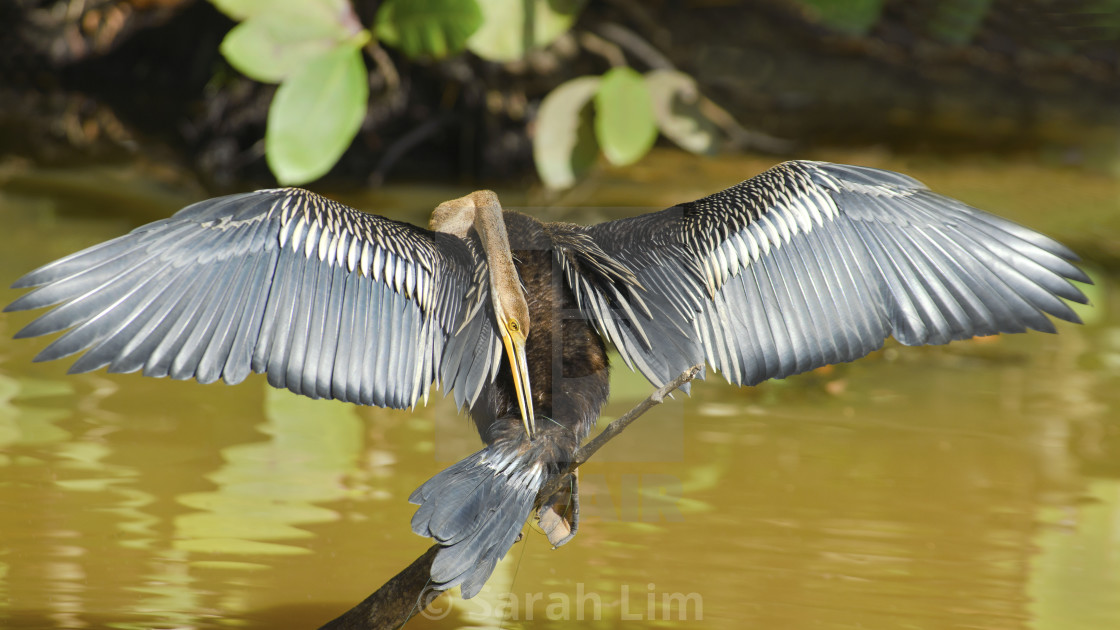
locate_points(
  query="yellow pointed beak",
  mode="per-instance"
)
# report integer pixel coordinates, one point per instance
(515, 349)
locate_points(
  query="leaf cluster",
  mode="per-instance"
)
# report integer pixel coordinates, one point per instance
(313, 49)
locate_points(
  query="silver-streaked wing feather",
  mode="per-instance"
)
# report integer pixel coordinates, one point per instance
(328, 301)
(643, 325)
(813, 263)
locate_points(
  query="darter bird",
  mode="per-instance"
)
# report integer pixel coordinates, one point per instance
(804, 265)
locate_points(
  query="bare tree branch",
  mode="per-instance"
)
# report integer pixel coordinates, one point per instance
(614, 428)
(411, 590)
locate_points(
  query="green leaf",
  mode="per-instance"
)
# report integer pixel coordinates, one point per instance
(241, 9)
(853, 17)
(431, 28)
(624, 122)
(676, 107)
(244, 9)
(272, 46)
(564, 144)
(315, 115)
(511, 28)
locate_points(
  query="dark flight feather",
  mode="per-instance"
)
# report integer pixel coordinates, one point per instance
(328, 301)
(813, 263)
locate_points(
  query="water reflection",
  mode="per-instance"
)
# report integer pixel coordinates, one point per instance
(973, 486)
(267, 489)
(1076, 574)
(30, 425)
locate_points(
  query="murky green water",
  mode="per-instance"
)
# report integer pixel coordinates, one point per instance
(974, 486)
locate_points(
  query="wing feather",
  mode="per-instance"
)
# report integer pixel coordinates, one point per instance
(328, 301)
(813, 263)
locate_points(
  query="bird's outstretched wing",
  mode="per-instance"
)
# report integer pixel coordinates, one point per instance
(813, 263)
(328, 301)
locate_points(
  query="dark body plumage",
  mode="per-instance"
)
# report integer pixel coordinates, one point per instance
(804, 265)
(567, 359)
(476, 508)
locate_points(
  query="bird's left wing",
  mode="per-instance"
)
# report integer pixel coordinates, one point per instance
(328, 301)
(813, 263)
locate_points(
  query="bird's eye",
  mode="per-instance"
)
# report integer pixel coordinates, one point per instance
(514, 326)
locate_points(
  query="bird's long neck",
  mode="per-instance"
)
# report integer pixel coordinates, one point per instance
(482, 211)
(491, 228)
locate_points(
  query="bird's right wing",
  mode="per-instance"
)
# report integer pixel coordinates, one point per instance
(813, 263)
(328, 301)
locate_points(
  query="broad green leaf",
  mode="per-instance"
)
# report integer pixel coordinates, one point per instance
(511, 28)
(244, 9)
(315, 115)
(272, 46)
(854, 17)
(284, 34)
(957, 21)
(676, 107)
(431, 28)
(564, 144)
(624, 123)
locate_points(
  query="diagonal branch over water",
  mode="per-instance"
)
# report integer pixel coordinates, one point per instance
(410, 591)
(614, 428)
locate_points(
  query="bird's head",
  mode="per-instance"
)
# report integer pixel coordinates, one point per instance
(512, 314)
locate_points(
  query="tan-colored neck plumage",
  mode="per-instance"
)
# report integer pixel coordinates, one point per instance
(482, 211)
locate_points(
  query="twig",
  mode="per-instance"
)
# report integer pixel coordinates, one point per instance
(384, 65)
(607, 50)
(411, 590)
(406, 143)
(614, 428)
(626, 40)
(740, 137)
(635, 45)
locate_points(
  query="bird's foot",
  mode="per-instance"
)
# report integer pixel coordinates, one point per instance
(559, 516)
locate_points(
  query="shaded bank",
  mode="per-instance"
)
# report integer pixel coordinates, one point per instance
(106, 78)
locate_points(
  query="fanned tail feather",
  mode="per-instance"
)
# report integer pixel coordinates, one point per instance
(475, 510)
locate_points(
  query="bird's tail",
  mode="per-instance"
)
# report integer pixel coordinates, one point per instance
(475, 510)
